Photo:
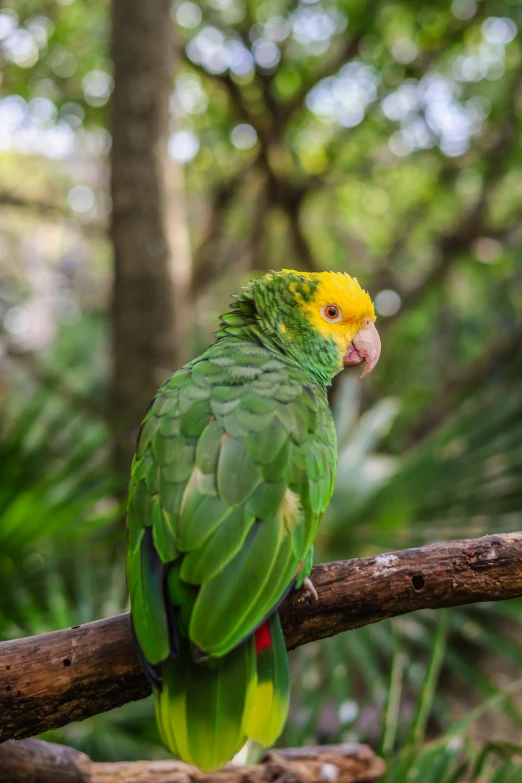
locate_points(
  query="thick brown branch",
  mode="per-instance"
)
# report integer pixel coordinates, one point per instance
(34, 761)
(50, 680)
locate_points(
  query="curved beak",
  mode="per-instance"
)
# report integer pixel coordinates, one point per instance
(365, 347)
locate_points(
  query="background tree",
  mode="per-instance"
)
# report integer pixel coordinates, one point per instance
(152, 257)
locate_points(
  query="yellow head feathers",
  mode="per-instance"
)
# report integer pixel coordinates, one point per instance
(340, 290)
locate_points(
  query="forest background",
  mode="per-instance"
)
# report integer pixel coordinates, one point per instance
(240, 136)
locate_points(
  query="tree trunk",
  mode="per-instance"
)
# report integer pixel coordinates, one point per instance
(148, 226)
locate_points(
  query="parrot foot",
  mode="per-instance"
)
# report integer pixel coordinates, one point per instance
(308, 585)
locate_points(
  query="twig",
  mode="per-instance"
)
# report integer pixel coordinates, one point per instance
(50, 680)
(53, 211)
(206, 268)
(34, 761)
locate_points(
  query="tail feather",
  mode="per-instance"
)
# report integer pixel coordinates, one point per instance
(201, 705)
(145, 574)
(267, 708)
(207, 710)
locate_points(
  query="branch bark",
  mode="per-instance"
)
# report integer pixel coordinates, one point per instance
(34, 761)
(53, 679)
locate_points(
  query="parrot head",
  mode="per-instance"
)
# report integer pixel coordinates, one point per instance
(324, 320)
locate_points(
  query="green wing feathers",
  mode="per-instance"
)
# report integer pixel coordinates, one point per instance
(233, 472)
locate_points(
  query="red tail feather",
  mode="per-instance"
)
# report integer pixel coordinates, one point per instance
(263, 638)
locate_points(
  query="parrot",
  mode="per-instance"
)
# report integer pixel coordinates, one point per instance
(234, 468)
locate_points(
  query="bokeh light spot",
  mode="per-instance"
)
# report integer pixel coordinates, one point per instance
(276, 29)
(464, 9)
(404, 51)
(189, 94)
(97, 87)
(266, 53)
(20, 48)
(498, 30)
(387, 302)
(183, 146)
(243, 136)
(17, 321)
(487, 250)
(81, 199)
(348, 711)
(188, 15)
(7, 23)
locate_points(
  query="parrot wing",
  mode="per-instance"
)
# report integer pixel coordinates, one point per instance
(234, 470)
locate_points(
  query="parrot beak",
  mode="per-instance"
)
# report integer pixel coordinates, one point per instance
(365, 347)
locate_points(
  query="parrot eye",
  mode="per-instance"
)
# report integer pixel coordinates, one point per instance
(332, 313)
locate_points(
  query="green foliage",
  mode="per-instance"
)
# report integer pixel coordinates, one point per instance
(452, 757)
(54, 492)
(463, 481)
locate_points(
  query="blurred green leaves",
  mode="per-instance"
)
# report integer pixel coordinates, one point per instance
(55, 497)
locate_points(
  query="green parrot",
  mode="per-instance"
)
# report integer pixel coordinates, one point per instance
(234, 468)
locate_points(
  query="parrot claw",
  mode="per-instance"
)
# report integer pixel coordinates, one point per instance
(308, 585)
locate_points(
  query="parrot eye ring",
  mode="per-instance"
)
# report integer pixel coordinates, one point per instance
(332, 313)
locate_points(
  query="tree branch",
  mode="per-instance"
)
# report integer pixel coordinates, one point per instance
(47, 209)
(206, 269)
(34, 761)
(50, 680)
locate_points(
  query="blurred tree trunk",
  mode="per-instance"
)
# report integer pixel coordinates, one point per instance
(152, 257)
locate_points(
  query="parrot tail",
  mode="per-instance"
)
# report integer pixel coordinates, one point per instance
(207, 710)
(267, 706)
